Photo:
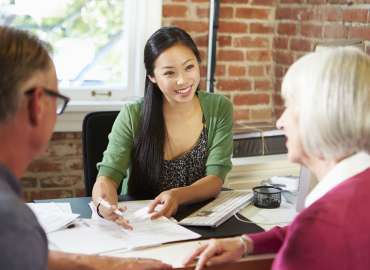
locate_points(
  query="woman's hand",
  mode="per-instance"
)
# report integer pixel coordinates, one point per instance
(111, 213)
(106, 189)
(169, 202)
(217, 252)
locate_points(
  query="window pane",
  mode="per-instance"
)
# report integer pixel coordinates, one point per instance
(87, 37)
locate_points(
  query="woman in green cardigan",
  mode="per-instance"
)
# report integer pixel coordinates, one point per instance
(175, 144)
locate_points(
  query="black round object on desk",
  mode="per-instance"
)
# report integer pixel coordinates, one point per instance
(267, 196)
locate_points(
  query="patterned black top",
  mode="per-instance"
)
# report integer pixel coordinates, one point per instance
(186, 169)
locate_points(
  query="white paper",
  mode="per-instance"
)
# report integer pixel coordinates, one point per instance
(99, 236)
(269, 218)
(53, 216)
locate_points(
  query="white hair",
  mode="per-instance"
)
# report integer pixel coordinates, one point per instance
(330, 91)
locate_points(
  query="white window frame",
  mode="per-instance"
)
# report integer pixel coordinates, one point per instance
(142, 18)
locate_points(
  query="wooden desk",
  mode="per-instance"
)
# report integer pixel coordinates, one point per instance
(175, 253)
(245, 264)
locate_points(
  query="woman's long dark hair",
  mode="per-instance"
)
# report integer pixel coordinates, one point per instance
(147, 155)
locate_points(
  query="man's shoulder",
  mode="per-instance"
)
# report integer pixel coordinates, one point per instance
(23, 242)
(17, 214)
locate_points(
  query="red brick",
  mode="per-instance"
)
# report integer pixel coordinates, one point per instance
(278, 71)
(287, 13)
(232, 85)
(256, 71)
(333, 14)
(192, 26)
(286, 29)
(232, 27)
(66, 136)
(174, 10)
(251, 99)
(79, 192)
(226, 12)
(203, 84)
(51, 194)
(237, 71)
(29, 182)
(263, 85)
(253, 13)
(202, 12)
(360, 32)
(203, 70)
(203, 54)
(58, 181)
(201, 41)
(263, 2)
(291, 1)
(334, 31)
(277, 84)
(310, 30)
(230, 55)
(241, 115)
(45, 166)
(316, 1)
(278, 100)
(251, 42)
(280, 43)
(220, 70)
(260, 56)
(284, 58)
(300, 45)
(278, 112)
(356, 15)
(307, 15)
(261, 114)
(234, 1)
(260, 28)
(224, 40)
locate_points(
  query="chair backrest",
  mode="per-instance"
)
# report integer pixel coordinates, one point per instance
(95, 130)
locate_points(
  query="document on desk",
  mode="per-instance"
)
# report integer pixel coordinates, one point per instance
(99, 236)
(53, 216)
(269, 218)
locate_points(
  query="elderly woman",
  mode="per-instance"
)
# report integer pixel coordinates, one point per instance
(327, 125)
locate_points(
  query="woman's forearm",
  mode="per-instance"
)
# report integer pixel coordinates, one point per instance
(106, 188)
(205, 188)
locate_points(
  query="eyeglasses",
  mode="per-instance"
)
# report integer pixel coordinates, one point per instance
(62, 100)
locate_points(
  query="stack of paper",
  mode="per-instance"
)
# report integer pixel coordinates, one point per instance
(99, 236)
(53, 216)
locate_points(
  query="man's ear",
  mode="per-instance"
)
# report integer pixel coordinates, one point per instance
(152, 79)
(35, 107)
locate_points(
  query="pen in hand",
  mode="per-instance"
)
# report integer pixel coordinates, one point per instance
(109, 206)
(120, 220)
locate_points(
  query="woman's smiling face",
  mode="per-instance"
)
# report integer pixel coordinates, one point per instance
(176, 72)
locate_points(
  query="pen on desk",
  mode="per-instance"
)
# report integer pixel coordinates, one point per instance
(108, 205)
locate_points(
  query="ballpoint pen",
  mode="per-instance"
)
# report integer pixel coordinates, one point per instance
(109, 206)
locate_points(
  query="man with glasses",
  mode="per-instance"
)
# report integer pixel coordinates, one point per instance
(29, 103)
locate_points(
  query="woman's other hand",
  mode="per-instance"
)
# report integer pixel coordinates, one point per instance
(217, 252)
(169, 202)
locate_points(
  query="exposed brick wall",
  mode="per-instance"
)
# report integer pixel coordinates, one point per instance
(57, 173)
(244, 70)
(300, 24)
(257, 41)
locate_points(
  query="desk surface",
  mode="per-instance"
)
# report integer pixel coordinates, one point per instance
(231, 227)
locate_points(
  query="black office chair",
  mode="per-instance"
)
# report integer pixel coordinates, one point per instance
(95, 130)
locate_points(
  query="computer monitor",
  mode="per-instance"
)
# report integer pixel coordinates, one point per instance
(305, 184)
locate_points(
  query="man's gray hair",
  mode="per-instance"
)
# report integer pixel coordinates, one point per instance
(330, 91)
(21, 55)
